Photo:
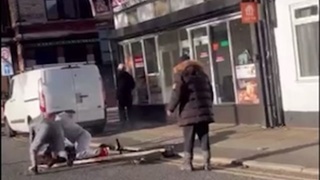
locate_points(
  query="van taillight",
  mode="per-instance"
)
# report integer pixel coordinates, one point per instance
(42, 100)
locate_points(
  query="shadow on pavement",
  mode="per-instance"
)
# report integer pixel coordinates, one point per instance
(278, 152)
(118, 127)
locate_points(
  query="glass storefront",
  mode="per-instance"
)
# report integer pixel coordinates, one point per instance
(224, 48)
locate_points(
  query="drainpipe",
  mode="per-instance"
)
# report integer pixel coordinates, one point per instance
(274, 69)
(263, 51)
(269, 68)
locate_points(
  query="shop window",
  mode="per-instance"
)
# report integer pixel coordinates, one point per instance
(184, 42)
(221, 59)
(151, 55)
(128, 58)
(145, 12)
(52, 9)
(75, 53)
(46, 55)
(305, 22)
(169, 52)
(247, 89)
(201, 48)
(140, 75)
(161, 7)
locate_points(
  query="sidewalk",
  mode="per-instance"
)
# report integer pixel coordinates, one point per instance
(291, 147)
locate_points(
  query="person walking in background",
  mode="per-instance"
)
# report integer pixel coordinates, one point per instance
(125, 86)
(192, 96)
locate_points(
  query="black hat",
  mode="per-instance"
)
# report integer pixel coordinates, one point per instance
(184, 57)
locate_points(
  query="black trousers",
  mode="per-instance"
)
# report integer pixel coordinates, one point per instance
(125, 112)
(190, 132)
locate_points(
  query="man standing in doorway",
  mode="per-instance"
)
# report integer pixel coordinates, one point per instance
(193, 97)
(125, 86)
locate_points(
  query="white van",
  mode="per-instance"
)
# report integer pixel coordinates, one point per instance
(73, 86)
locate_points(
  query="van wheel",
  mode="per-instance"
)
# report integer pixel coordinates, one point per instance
(9, 132)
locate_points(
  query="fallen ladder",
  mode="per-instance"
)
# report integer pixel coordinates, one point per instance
(121, 153)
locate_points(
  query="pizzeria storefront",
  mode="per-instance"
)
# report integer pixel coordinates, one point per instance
(228, 51)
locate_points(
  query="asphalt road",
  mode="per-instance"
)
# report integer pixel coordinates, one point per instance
(14, 154)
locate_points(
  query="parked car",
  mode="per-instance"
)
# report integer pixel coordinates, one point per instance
(76, 86)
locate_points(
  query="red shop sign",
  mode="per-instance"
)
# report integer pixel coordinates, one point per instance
(249, 12)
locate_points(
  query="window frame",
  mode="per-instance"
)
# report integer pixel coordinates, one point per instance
(301, 21)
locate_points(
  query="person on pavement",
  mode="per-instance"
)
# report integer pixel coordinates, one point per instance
(125, 87)
(76, 135)
(44, 131)
(192, 96)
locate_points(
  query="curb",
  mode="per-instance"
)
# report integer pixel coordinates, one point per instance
(262, 165)
(253, 164)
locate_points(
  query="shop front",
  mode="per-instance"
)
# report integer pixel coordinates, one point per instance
(226, 48)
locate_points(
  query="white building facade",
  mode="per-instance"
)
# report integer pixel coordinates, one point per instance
(297, 40)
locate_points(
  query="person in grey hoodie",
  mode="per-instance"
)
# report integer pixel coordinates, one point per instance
(77, 135)
(45, 131)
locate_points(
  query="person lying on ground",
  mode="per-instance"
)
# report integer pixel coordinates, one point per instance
(45, 131)
(77, 135)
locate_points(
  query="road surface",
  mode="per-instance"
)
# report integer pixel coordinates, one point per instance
(14, 153)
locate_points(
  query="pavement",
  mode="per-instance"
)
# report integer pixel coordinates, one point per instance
(15, 161)
(288, 149)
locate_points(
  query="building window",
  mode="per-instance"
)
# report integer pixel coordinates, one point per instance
(120, 20)
(75, 53)
(161, 7)
(305, 20)
(145, 12)
(52, 9)
(68, 9)
(84, 9)
(46, 55)
(132, 16)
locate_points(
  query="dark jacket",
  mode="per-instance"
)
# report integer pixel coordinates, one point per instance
(192, 94)
(125, 87)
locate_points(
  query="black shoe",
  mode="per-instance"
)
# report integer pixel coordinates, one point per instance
(71, 155)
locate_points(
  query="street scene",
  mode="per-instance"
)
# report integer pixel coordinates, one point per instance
(162, 89)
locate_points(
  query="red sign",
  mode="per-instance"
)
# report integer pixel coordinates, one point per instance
(249, 12)
(215, 46)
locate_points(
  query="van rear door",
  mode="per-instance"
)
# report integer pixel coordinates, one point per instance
(89, 93)
(58, 89)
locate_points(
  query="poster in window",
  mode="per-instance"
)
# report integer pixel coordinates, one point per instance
(247, 84)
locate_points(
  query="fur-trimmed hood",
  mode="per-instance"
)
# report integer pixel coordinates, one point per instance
(182, 66)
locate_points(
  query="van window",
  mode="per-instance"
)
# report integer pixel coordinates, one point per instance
(11, 88)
